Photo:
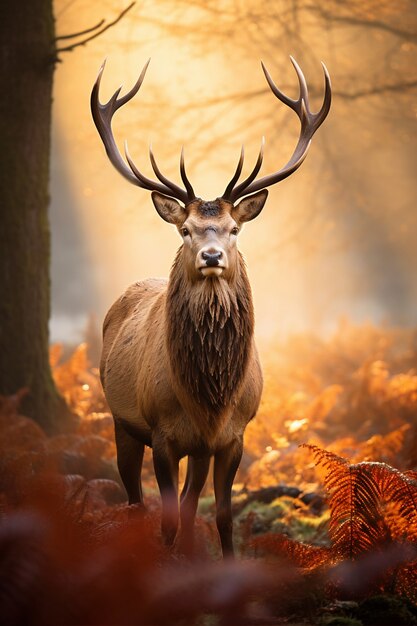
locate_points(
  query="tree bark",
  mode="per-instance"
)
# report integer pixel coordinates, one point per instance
(27, 57)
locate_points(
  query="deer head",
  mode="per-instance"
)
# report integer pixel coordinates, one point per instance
(209, 229)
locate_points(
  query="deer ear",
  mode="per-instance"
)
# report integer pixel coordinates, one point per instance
(250, 207)
(169, 209)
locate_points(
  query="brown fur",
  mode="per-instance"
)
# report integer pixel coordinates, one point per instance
(214, 321)
(180, 368)
(194, 341)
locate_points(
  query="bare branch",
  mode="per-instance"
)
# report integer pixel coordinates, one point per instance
(81, 32)
(241, 96)
(356, 21)
(83, 42)
(377, 90)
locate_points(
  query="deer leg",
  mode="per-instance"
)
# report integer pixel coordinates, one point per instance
(226, 463)
(197, 470)
(187, 480)
(165, 463)
(129, 462)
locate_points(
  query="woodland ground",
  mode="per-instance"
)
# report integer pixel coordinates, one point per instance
(325, 502)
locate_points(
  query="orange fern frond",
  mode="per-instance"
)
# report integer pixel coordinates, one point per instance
(356, 523)
(383, 447)
(299, 554)
(399, 492)
(370, 504)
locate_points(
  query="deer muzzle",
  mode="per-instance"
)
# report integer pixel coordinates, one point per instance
(211, 261)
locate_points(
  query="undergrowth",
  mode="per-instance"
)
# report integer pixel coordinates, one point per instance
(325, 503)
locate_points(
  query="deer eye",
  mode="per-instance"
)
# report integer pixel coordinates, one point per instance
(234, 231)
(185, 232)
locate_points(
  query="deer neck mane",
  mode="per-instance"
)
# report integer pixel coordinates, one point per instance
(210, 326)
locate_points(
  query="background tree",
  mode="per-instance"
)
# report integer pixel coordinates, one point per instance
(28, 53)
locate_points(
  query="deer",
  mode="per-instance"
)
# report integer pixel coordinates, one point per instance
(179, 366)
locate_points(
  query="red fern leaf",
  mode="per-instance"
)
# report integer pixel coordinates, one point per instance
(399, 491)
(356, 525)
(299, 554)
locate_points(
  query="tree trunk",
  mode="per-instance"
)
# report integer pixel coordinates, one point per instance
(26, 75)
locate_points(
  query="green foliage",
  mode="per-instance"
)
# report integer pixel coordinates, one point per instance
(387, 610)
(340, 620)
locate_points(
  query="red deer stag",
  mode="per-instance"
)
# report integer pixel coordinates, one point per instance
(179, 365)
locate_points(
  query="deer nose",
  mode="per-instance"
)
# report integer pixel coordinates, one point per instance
(212, 258)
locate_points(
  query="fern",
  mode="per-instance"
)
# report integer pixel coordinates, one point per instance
(299, 554)
(399, 493)
(354, 500)
(370, 504)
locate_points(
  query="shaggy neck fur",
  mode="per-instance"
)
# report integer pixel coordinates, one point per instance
(210, 327)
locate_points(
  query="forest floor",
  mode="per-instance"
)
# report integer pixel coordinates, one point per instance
(325, 502)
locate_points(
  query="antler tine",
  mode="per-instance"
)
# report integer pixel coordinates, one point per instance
(303, 85)
(141, 179)
(188, 186)
(325, 108)
(175, 188)
(121, 101)
(102, 115)
(236, 175)
(236, 192)
(310, 122)
(279, 94)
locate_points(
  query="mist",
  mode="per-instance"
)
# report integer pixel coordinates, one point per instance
(336, 239)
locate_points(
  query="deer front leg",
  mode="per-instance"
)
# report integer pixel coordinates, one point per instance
(226, 463)
(129, 462)
(165, 463)
(197, 470)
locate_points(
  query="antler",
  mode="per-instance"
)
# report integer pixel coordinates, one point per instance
(102, 115)
(310, 122)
